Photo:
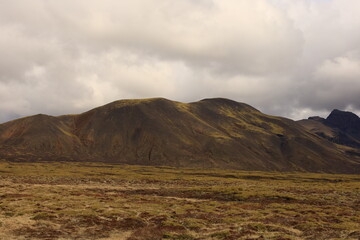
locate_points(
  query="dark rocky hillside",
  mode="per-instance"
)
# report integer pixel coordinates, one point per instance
(339, 127)
(212, 133)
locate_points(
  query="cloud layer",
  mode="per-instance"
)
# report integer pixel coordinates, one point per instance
(285, 57)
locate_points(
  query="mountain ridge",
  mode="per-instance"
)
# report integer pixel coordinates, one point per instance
(211, 133)
(340, 127)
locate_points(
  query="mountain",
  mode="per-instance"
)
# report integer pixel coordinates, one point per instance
(339, 127)
(211, 133)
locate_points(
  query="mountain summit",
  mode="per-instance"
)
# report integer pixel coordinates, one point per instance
(339, 127)
(211, 133)
(345, 121)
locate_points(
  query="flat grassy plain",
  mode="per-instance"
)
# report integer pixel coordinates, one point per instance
(101, 201)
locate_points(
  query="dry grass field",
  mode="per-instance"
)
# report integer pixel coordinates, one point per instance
(102, 201)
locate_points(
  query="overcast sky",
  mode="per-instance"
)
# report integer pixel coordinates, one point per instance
(294, 58)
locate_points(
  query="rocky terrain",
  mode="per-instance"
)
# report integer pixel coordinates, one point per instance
(340, 127)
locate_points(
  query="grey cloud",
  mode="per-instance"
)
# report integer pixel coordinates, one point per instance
(291, 58)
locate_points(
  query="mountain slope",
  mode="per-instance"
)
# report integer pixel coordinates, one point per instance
(339, 127)
(210, 133)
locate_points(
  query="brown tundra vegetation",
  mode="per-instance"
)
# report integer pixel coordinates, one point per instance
(108, 201)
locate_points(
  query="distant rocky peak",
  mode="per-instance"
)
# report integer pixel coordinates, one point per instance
(343, 120)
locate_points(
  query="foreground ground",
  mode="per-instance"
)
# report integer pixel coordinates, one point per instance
(100, 201)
